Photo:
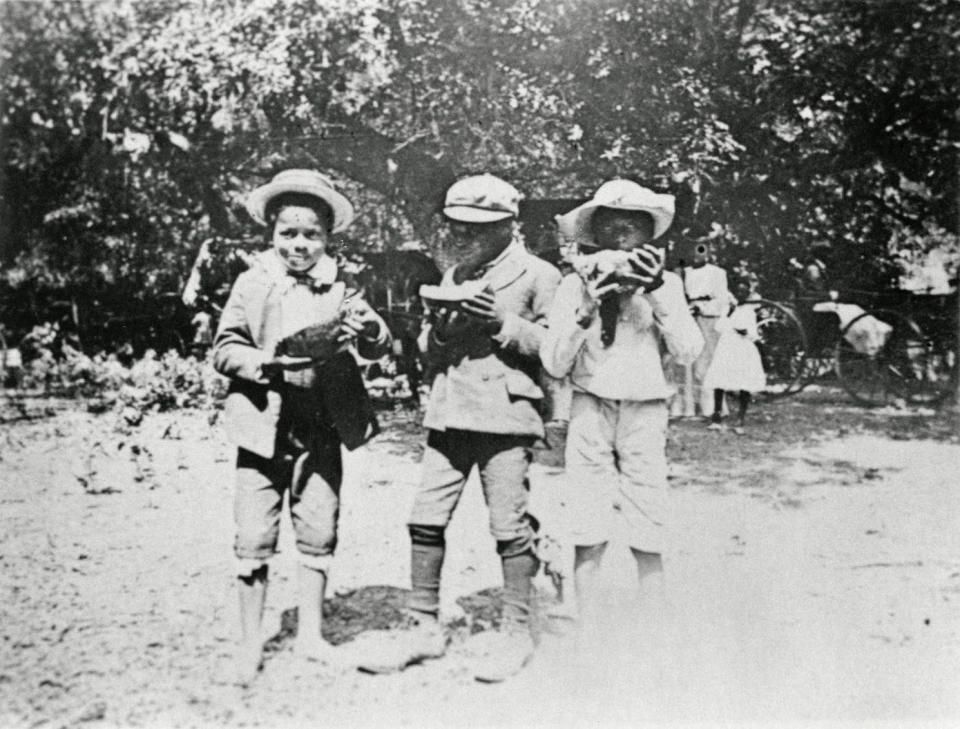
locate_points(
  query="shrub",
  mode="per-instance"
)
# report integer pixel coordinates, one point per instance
(152, 383)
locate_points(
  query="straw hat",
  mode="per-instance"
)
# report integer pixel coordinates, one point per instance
(307, 182)
(620, 195)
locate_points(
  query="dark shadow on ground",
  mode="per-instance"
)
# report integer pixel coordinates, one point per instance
(376, 607)
(381, 607)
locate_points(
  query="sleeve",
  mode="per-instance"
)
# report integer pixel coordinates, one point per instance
(235, 354)
(434, 349)
(563, 338)
(672, 316)
(378, 342)
(723, 294)
(753, 329)
(525, 335)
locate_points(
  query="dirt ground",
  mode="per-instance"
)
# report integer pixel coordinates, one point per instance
(816, 579)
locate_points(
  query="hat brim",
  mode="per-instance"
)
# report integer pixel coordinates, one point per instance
(467, 214)
(339, 205)
(575, 225)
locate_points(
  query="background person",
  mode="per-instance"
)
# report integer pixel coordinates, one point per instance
(705, 285)
(736, 365)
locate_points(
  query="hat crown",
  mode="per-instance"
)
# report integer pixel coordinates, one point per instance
(621, 195)
(484, 192)
(628, 195)
(303, 181)
(303, 176)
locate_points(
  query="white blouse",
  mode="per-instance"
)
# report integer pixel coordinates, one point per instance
(630, 368)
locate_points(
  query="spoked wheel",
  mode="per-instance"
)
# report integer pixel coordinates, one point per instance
(3, 360)
(783, 348)
(883, 357)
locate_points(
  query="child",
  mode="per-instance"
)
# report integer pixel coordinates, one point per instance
(483, 411)
(736, 364)
(706, 288)
(289, 414)
(616, 443)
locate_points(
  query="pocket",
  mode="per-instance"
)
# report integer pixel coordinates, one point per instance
(520, 385)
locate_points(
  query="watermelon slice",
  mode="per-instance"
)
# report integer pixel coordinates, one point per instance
(603, 263)
(318, 341)
(451, 294)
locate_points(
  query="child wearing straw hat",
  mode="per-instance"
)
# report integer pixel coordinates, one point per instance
(295, 396)
(605, 331)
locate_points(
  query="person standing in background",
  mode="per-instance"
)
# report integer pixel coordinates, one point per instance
(710, 299)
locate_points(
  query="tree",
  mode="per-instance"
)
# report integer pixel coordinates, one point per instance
(132, 129)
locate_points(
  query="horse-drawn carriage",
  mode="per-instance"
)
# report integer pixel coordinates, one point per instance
(882, 348)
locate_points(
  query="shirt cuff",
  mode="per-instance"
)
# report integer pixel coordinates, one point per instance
(660, 300)
(256, 366)
(509, 330)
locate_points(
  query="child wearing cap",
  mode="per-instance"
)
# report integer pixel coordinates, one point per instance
(483, 411)
(289, 408)
(604, 332)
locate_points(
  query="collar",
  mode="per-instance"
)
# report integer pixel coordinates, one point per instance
(323, 272)
(502, 270)
(508, 255)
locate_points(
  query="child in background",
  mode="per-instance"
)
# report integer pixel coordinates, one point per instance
(288, 413)
(736, 364)
(604, 331)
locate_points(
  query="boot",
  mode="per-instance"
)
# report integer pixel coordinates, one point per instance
(390, 651)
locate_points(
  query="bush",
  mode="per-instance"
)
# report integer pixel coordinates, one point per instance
(152, 383)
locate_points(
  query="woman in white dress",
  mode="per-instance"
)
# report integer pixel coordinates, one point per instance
(736, 365)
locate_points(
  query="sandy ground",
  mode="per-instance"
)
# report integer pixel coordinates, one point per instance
(817, 580)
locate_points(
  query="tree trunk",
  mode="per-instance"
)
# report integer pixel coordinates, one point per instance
(401, 172)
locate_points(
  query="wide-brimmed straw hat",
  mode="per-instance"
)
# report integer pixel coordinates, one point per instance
(481, 199)
(620, 195)
(307, 182)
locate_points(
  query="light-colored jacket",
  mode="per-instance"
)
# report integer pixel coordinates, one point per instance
(490, 384)
(630, 368)
(250, 327)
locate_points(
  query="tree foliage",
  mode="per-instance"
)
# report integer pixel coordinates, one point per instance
(131, 129)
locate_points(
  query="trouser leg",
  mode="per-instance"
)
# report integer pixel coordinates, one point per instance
(447, 461)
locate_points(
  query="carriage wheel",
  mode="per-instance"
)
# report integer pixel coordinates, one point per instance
(891, 362)
(783, 348)
(3, 360)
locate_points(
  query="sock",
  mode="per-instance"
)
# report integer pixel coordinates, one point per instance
(427, 549)
(518, 572)
(717, 405)
(744, 403)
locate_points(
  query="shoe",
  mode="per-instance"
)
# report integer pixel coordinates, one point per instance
(715, 426)
(389, 651)
(321, 652)
(249, 662)
(739, 430)
(503, 654)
